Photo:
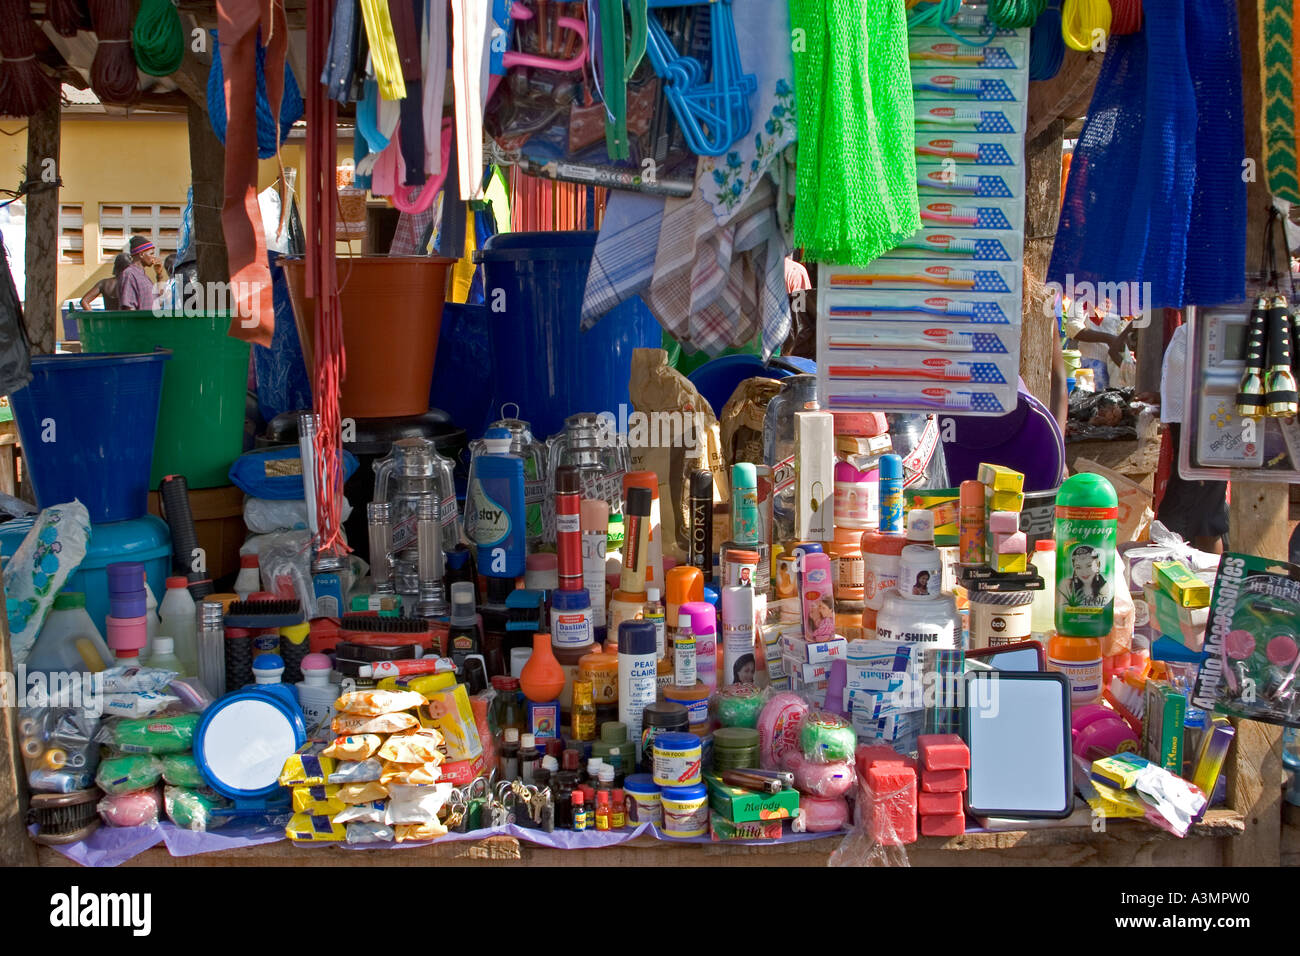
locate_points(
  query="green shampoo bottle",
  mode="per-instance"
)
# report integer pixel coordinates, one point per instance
(1087, 525)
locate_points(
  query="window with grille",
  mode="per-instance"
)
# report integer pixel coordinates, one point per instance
(118, 222)
(71, 234)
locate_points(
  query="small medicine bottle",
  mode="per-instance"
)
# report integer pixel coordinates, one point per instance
(602, 809)
(579, 811)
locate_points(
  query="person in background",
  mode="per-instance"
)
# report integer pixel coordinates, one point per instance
(1101, 337)
(108, 288)
(135, 287)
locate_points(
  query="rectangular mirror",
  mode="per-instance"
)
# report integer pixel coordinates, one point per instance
(1021, 656)
(1017, 725)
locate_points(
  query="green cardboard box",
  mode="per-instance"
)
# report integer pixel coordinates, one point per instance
(742, 806)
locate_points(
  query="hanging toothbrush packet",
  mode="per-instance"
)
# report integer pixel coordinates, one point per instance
(975, 86)
(1252, 659)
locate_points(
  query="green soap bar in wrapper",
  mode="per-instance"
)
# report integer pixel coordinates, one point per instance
(181, 770)
(155, 735)
(125, 774)
(193, 809)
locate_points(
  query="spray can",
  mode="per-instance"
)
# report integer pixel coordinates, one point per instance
(595, 531)
(637, 667)
(1087, 525)
(700, 542)
(882, 549)
(568, 527)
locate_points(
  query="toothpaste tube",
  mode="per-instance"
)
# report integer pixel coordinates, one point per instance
(423, 665)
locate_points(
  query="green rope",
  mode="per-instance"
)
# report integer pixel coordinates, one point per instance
(856, 178)
(159, 38)
(1014, 14)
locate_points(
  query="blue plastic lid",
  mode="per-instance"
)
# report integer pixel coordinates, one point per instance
(514, 246)
(676, 740)
(637, 637)
(292, 716)
(891, 468)
(268, 662)
(640, 783)
(571, 600)
(458, 558)
(696, 791)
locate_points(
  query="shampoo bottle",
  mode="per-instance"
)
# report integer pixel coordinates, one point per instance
(882, 548)
(495, 507)
(1087, 524)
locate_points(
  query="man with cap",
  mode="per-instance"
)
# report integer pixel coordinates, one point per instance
(135, 289)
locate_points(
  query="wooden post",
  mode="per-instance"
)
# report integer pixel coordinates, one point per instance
(16, 848)
(1038, 337)
(207, 176)
(1257, 517)
(41, 302)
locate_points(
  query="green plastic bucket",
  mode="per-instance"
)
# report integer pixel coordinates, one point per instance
(201, 421)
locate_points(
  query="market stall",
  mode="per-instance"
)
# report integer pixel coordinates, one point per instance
(521, 569)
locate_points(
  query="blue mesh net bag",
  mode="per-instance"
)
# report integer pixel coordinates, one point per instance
(1155, 193)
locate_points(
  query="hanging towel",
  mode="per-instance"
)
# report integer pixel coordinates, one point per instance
(857, 164)
(1278, 20)
(469, 68)
(623, 262)
(1155, 193)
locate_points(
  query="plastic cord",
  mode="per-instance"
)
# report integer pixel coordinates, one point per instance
(937, 13)
(1125, 16)
(67, 16)
(1046, 45)
(1081, 19)
(1015, 14)
(290, 104)
(25, 89)
(159, 38)
(112, 74)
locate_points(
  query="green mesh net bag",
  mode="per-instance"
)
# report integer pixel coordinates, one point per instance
(856, 195)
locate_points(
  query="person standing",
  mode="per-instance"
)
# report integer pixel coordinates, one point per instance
(108, 288)
(135, 288)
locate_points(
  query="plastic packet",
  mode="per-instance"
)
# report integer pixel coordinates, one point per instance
(372, 812)
(413, 774)
(738, 705)
(353, 793)
(193, 809)
(181, 770)
(414, 832)
(151, 735)
(416, 804)
(317, 800)
(354, 748)
(285, 563)
(885, 817)
(136, 808)
(821, 779)
(59, 781)
(359, 771)
(313, 828)
(138, 703)
(267, 515)
(416, 747)
(127, 773)
(125, 679)
(58, 747)
(194, 697)
(369, 832)
(825, 737)
(308, 767)
(383, 724)
(374, 703)
(779, 723)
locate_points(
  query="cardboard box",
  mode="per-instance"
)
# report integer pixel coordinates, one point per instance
(721, 830)
(1162, 726)
(1179, 583)
(742, 806)
(820, 652)
(460, 773)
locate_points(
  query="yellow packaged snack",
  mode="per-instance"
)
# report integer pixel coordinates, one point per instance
(373, 703)
(323, 801)
(353, 793)
(354, 747)
(309, 767)
(411, 832)
(383, 724)
(418, 746)
(314, 828)
(421, 774)
(425, 684)
(450, 712)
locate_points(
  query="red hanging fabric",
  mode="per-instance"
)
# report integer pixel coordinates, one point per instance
(238, 24)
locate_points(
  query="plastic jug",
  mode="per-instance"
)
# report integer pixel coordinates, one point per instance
(163, 656)
(69, 640)
(494, 508)
(411, 472)
(593, 448)
(533, 453)
(178, 619)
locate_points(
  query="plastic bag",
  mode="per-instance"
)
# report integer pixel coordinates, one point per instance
(131, 809)
(58, 747)
(128, 773)
(138, 704)
(193, 809)
(372, 812)
(415, 804)
(151, 735)
(413, 774)
(181, 770)
(355, 747)
(885, 817)
(414, 832)
(370, 832)
(416, 747)
(284, 560)
(51, 551)
(354, 793)
(359, 771)
(130, 679)
(820, 778)
(267, 516)
(373, 703)
(276, 473)
(383, 724)
(825, 737)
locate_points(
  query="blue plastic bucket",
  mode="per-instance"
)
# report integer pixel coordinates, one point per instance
(717, 378)
(541, 360)
(87, 424)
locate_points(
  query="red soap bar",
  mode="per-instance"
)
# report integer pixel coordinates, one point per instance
(893, 803)
(943, 752)
(944, 826)
(938, 804)
(943, 781)
(868, 754)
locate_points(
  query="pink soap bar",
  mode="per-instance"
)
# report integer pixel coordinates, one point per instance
(893, 803)
(938, 804)
(868, 754)
(1014, 543)
(943, 781)
(1003, 522)
(947, 825)
(823, 814)
(944, 752)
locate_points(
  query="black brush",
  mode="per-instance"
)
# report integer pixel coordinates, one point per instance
(263, 614)
(64, 817)
(383, 625)
(369, 653)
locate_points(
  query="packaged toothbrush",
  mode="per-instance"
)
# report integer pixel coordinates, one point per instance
(960, 246)
(937, 178)
(1001, 53)
(1252, 657)
(959, 213)
(847, 301)
(976, 117)
(982, 149)
(957, 279)
(970, 86)
(935, 338)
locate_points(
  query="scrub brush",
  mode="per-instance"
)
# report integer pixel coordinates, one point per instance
(64, 817)
(257, 613)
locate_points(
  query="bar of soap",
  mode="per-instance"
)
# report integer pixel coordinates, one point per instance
(1000, 477)
(949, 825)
(944, 752)
(1011, 563)
(869, 754)
(1005, 501)
(893, 803)
(1014, 543)
(938, 804)
(943, 781)
(1003, 522)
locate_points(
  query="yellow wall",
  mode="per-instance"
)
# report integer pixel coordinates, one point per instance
(143, 158)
